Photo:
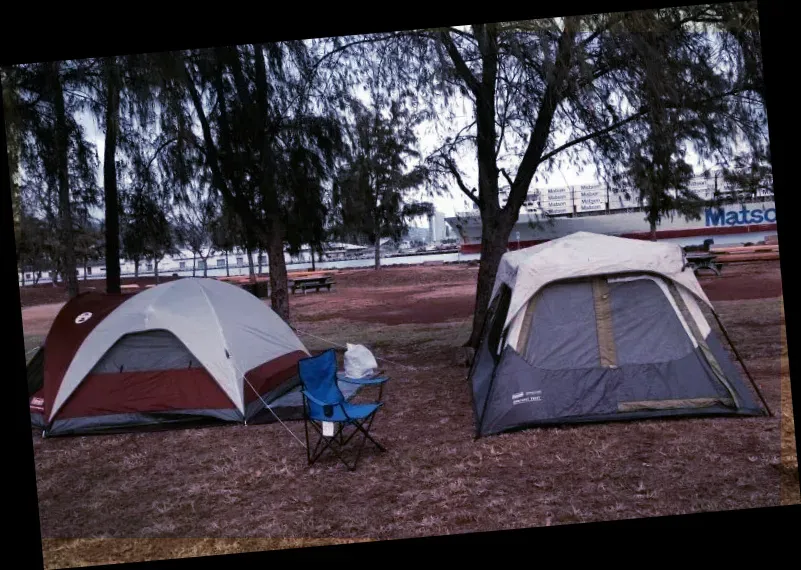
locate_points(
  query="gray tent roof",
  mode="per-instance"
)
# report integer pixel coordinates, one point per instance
(584, 254)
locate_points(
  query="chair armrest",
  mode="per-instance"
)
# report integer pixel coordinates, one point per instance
(364, 381)
(316, 401)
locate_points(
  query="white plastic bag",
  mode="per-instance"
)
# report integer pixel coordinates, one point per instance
(359, 362)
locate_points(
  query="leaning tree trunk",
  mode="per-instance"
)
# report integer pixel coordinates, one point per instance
(494, 242)
(62, 158)
(85, 270)
(259, 253)
(113, 273)
(279, 295)
(311, 251)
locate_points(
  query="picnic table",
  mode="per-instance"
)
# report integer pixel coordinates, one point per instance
(698, 261)
(312, 282)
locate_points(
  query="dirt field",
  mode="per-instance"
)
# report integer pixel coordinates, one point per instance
(249, 488)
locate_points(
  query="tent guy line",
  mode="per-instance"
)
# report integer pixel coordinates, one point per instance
(332, 343)
(266, 405)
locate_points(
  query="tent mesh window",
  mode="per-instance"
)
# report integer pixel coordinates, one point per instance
(603, 322)
(563, 333)
(645, 324)
(146, 351)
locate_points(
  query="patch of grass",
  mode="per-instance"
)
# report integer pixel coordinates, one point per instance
(412, 338)
(80, 552)
(243, 484)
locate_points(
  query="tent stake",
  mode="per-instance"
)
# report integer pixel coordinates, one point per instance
(742, 363)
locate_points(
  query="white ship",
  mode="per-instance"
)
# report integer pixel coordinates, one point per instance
(549, 213)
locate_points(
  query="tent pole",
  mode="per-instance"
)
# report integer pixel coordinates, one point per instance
(742, 363)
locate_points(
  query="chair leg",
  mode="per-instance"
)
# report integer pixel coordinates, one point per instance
(359, 428)
(306, 429)
(367, 435)
(331, 443)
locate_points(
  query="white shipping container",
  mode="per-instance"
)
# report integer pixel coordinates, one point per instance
(590, 198)
(556, 210)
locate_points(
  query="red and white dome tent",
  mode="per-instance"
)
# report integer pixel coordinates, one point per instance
(189, 349)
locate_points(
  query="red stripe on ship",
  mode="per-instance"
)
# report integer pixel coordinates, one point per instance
(664, 234)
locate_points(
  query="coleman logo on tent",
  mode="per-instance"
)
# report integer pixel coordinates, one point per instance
(525, 397)
(82, 318)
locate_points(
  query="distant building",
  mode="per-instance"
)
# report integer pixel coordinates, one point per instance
(414, 234)
(432, 229)
(438, 228)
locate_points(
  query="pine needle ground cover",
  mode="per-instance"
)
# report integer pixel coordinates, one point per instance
(217, 490)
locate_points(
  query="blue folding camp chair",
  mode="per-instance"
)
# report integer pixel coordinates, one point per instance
(323, 401)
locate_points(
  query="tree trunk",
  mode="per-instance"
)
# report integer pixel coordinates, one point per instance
(279, 296)
(653, 231)
(194, 264)
(259, 253)
(494, 242)
(251, 267)
(136, 268)
(113, 273)
(156, 269)
(205, 266)
(227, 269)
(62, 158)
(311, 251)
(85, 271)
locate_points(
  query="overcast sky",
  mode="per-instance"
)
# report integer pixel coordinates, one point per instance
(430, 135)
(453, 199)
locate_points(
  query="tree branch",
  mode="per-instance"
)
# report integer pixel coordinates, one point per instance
(159, 149)
(462, 186)
(342, 48)
(461, 67)
(508, 178)
(612, 21)
(592, 135)
(634, 117)
(551, 98)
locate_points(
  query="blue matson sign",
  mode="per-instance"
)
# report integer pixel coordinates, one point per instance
(742, 217)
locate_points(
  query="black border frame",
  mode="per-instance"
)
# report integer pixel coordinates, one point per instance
(32, 39)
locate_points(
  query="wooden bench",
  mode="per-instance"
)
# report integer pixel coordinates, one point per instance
(698, 261)
(316, 283)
